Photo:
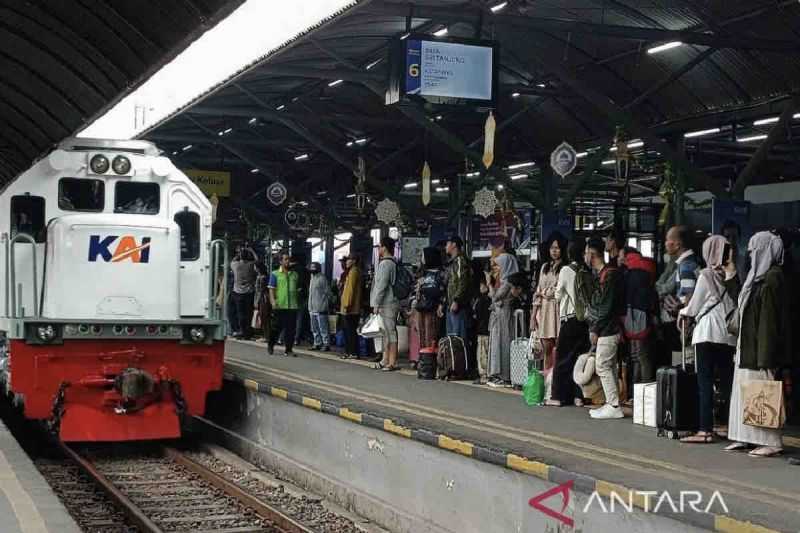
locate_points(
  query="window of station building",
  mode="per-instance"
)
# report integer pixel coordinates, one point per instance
(27, 216)
(136, 198)
(189, 223)
(79, 194)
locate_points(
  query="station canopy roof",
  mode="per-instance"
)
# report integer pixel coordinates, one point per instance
(63, 64)
(571, 70)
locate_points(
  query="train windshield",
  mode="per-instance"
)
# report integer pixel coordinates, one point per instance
(136, 198)
(79, 194)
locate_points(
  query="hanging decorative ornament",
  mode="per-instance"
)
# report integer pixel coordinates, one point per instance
(623, 155)
(360, 172)
(214, 204)
(564, 159)
(426, 184)
(485, 202)
(488, 140)
(387, 211)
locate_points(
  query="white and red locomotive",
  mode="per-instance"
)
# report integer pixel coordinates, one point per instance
(109, 292)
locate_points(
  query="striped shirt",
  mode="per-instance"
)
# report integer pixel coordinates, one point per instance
(686, 275)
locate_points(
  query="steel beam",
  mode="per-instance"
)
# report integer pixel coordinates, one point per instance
(258, 112)
(776, 134)
(636, 33)
(670, 78)
(592, 164)
(345, 74)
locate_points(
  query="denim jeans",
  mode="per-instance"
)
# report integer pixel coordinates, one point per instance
(319, 329)
(457, 323)
(708, 356)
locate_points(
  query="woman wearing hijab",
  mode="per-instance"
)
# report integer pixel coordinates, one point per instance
(430, 298)
(711, 302)
(500, 321)
(544, 315)
(764, 344)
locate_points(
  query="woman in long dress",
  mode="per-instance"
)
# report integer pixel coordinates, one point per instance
(763, 345)
(500, 321)
(544, 315)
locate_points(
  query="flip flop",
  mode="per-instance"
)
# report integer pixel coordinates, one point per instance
(708, 438)
(390, 368)
(737, 447)
(379, 366)
(765, 451)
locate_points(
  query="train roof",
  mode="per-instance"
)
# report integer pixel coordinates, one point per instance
(79, 144)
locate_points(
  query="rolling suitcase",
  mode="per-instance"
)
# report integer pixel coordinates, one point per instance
(520, 351)
(451, 362)
(676, 397)
(426, 369)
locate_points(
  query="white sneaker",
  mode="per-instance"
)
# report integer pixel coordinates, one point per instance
(606, 412)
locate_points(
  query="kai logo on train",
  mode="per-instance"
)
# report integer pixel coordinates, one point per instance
(125, 248)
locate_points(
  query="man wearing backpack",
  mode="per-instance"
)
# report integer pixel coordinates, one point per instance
(385, 302)
(458, 288)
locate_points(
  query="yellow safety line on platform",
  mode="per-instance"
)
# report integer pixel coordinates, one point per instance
(534, 468)
(344, 412)
(312, 403)
(250, 384)
(391, 427)
(28, 516)
(455, 445)
(624, 494)
(730, 525)
(558, 444)
(280, 393)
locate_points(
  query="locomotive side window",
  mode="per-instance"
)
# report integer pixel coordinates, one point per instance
(189, 223)
(137, 198)
(27, 216)
(78, 194)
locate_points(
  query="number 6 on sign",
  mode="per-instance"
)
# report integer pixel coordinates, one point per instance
(413, 70)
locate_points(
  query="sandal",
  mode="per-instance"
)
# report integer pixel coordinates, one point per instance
(389, 368)
(708, 438)
(737, 447)
(378, 366)
(765, 451)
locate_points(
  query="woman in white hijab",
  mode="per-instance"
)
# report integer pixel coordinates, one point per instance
(763, 345)
(500, 321)
(712, 300)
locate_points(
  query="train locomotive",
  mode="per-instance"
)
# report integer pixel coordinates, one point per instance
(113, 293)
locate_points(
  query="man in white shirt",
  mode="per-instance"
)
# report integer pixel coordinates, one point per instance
(573, 337)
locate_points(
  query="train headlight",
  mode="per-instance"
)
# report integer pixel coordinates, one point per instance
(197, 334)
(46, 333)
(99, 164)
(121, 164)
(71, 330)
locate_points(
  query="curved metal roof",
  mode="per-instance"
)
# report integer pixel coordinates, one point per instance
(62, 64)
(570, 70)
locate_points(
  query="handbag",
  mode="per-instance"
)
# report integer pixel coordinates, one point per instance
(255, 322)
(372, 328)
(732, 321)
(536, 350)
(763, 404)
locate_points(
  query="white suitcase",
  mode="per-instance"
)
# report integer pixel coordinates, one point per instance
(520, 351)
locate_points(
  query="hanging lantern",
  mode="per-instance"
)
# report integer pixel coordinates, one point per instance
(622, 156)
(488, 140)
(485, 202)
(426, 184)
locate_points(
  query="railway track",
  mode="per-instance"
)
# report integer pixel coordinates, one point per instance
(167, 491)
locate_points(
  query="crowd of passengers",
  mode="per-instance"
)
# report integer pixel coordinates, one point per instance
(596, 298)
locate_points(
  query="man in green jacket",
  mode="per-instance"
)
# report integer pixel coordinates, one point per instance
(284, 295)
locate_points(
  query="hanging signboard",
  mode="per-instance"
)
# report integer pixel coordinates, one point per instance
(443, 71)
(564, 159)
(276, 193)
(210, 181)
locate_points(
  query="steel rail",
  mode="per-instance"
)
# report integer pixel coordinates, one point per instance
(280, 519)
(123, 502)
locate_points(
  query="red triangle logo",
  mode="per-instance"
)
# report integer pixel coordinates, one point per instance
(564, 490)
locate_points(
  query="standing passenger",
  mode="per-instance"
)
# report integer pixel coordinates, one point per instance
(350, 307)
(500, 321)
(385, 303)
(262, 300)
(244, 280)
(319, 301)
(430, 298)
(459, 275)
(544, 315)
(283, 296)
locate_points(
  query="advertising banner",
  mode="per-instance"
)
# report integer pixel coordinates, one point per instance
(517, 229)
(211, 181)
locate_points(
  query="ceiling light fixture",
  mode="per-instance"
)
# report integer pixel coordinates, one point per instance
(301, 157)
(334, 83)
(521, 165)
(515, 95)
(361, 141)
(252, 121)
(500, 187)
(516, 177)
(440, 33)
(349, 144)
(436, 182)
(770, 120)
(472, 174)
(442, 189)
(635, 144)
(609, 161)
(751, 138)
(412, 185)
(405, 36)
(700, 133)
(187, 147)
(280, 107)
(499, 7)
(374, 63)
(663, 47)
(581, 155)
(254, 171)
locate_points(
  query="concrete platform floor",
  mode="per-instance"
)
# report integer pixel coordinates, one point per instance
(27, 503)
(761, 491)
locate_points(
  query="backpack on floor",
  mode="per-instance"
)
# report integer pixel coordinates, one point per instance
(451, 362)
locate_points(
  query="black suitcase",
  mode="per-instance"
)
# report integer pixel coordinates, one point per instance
(676, 398)
(426, 367)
